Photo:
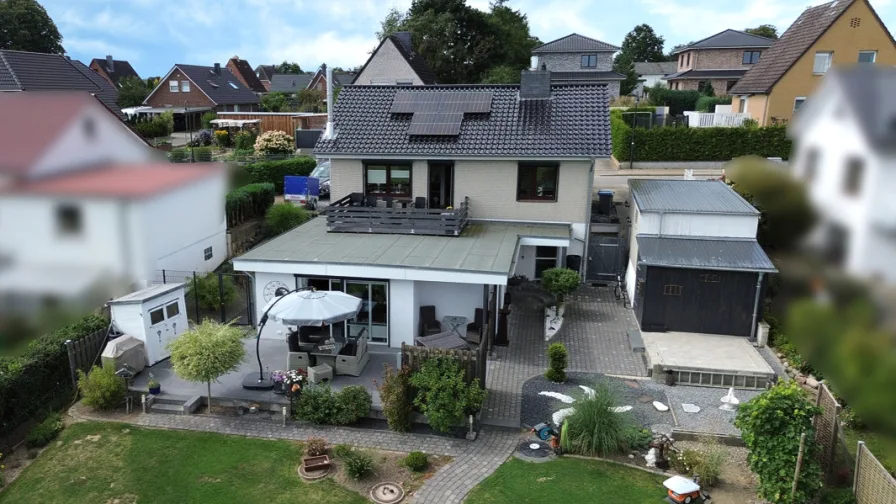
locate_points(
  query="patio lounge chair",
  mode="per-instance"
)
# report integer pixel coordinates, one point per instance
(476, 328)
(428, 323)
(297, 360)
(352, 358)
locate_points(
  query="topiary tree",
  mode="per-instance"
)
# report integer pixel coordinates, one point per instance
(206, 352)
(282, 217)
(770, 425)
(560, 282)
(274, 142)
(558, 359)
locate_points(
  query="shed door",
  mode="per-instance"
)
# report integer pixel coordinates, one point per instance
(685, 300)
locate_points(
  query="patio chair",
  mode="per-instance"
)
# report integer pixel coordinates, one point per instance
(352, 358)
(419, 202)
(297, 360)
(356, 199)
(476, 328)
(428, 322)
(307, 340)
(371, 201)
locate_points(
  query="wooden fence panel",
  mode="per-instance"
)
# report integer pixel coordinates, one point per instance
(873, 483)
(84, 353)
(827, 425)
(414, 356)
(281, 121)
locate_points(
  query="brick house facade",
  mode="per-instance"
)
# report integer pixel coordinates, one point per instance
(198, 87)
(572, 62)
(578, 59)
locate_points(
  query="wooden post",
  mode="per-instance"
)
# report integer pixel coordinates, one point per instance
(799, 465)
(71, 363)
(855, 474)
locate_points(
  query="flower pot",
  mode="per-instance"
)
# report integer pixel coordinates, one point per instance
(155, 390)
(316, 463)
(279, 388)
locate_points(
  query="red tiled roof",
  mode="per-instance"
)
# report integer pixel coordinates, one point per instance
(120, 180)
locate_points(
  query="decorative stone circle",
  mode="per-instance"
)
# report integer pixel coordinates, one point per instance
(387, 493)
(313, 475)
(535, 450)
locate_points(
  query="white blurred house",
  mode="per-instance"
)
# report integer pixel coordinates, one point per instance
(87, 206)
(845, 152)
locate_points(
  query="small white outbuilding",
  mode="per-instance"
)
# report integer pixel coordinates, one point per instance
(155, 315)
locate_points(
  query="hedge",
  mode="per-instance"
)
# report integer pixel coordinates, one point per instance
(677, 101)
(274, 171)
(248, 202)
(708, 103)
(698, 144)
(40, 380)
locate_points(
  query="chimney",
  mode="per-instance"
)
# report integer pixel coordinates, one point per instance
(110, 63)
(218, 69)
(535, 84)
(533, 63)
(328, 133)
(405, 38)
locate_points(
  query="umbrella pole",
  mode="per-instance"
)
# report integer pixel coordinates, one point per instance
(261, 384)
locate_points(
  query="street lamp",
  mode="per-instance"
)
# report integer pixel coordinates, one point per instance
(631, 156)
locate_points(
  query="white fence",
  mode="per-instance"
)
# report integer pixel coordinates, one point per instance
(709, 120)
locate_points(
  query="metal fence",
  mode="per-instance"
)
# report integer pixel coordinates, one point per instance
(873, 484)
(827, 426)
(225, 297)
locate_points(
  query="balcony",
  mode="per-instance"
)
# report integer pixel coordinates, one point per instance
(359, 214)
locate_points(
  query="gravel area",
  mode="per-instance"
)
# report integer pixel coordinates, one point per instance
(538, 408)
(769, 355)
(710, 419)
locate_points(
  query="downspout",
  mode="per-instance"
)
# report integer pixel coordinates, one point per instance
(756, 307)
(589, 201)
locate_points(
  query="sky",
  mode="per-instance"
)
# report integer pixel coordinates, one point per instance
(153, 35)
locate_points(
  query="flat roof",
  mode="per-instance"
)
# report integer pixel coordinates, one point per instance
(729, 254)
(482, 247)
(688, 196)
(147, 294)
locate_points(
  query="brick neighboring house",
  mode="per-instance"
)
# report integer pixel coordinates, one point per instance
(395, 62)
(113, 70)
(319, 80)
(265, 74)
(576, 59)
(720, 60)
(202, 88)
(242, 70)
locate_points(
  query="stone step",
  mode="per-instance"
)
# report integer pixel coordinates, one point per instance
(169, 409)
(171, 399)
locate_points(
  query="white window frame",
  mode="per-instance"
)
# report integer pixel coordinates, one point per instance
(827, 63)
(742, 105)
(799, 99)
(173, 86)
(161, 309)
(184, 86)
(873, 57)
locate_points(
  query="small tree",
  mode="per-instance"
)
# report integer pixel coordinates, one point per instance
(274, 142)
(282, 217)
(708, 89)
(443, 395)
(770, 425)
(558, 359)
(395, 393)
(207, 119)
(132, 91)
(560, 282)
(206, 352)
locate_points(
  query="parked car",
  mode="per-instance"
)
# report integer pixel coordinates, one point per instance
(322, 173)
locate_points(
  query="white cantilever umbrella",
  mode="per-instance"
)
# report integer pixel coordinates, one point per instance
(301, 308)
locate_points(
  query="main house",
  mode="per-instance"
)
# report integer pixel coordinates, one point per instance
(88, 207)
(719, 60)
(845, 153)
(576, 59)
(838, 33)
(439, 194)
(395, 62)
(113, 70)
(694, 263)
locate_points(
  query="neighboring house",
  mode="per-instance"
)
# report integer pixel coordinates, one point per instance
(503, 183)
(395, 62)
(720, 60)
(289, 83)
(243, 72)
(113, 70)
(265, 73)
(845, 153)
(694, 263)
(576, 59)
(839, 33)
(202, 87)
(28, 71)
(319, 79)
(652, 73)
(87, 206)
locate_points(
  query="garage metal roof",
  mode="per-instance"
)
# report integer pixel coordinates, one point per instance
(688, 196)
(703, 253)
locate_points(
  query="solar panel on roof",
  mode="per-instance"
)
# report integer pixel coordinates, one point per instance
(439, 113)
(435, 123)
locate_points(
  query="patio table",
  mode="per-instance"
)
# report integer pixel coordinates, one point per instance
(447, 340)
(325, 352)
(458, 325)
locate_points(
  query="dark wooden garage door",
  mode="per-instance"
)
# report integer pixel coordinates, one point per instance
(714, 302)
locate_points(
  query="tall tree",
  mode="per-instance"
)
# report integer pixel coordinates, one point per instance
(132, 91)
(641, 44)
(26, 26)
(766, 30)
(395, 21)
(516, 43)
(289, 68)
(674, 57)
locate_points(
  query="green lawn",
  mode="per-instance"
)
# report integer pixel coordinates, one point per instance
(112, 462)
(568, 480)
(882, 446)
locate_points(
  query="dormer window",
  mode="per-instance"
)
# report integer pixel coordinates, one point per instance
(173, 86)
(589, 61)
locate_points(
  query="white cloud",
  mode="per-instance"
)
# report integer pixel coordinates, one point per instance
(695, 22)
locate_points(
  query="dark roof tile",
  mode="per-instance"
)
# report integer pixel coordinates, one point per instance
(227, 89)
(728, 39)
(290, 83)
(729, 254)
(245, 70)
(575, 43)
(122, 69)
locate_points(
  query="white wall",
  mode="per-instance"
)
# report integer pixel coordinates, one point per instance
(450, 299)
(388, 66)
(525, 262)
(681, 224)
(403, 326)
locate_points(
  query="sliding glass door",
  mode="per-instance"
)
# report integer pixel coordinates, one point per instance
(374, 314)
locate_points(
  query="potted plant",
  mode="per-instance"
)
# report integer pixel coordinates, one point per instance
(278, 378)
(293, 381)
(155, 388)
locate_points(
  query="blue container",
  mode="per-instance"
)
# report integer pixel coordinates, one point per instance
(301, 189)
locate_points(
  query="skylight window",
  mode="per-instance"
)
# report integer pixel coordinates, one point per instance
(234, 86)
(212, 84)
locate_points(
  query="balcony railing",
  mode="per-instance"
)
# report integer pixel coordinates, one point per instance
(709, 120)
(357, 214)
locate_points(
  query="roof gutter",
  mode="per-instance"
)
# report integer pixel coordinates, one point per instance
(451, 157)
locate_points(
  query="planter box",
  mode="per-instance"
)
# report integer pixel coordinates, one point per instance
(316, 463)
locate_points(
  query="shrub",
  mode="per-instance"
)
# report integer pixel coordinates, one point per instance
(207, 119)
(352, 404)
(707, 464)
(638, 438)
(320, 405)
(560, 282)
(244, 141)
(222, 138)
(206, 289)
(206, 352)
(203, 138)
(180, 155)
(275, 171)
(202, 154)
(44, 432)
(101, 388)
(593, 428)
(274, 142)
(282, 217)
(358, 464)
(771, 424)
(708, 103)
(837, 496)
(395, 394)
(416, 461)
(677, 101)
(443, 395)
(315, 447)
(558, 359)
(342, 451)
(248, 202)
